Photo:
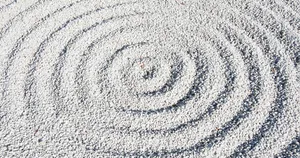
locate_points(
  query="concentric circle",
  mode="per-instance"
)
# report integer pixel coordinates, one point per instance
(149, 78)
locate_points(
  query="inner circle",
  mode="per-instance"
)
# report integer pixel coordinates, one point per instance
(143, 78)
(141, 75)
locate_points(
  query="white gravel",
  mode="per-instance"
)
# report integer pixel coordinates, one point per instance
(150, 78)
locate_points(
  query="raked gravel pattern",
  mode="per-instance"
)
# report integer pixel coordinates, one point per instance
(150, 78)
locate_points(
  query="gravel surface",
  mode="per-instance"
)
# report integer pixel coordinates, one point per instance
(149, 78)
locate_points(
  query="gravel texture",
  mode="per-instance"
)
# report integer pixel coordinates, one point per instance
(149, 78)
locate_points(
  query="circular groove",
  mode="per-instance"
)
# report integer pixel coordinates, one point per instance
(113, 79)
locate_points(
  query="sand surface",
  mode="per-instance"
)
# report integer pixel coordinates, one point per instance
(149, 78)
